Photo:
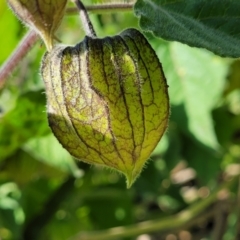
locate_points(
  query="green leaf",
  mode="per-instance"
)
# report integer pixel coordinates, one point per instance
(201, 76)
(167, 58)
(24, 121)
(20, 163)
(48, 150)
(214, 25)
(233, 80)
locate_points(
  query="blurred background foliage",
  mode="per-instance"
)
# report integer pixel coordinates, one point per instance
(46, 194)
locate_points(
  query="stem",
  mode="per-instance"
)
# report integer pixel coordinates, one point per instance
(22, 49)
(104, 8)
(87, 25)
(173, 222)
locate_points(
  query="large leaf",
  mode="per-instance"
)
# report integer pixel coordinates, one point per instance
(166, 56)
(214, 25)
(196, 79)
(201, 75)
(20, 163)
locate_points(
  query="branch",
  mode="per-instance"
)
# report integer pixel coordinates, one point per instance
(162, 225)
(22, 49)
(104, 8)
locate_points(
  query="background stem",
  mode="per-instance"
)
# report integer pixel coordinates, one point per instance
(104, 8)
(21, 50)
(177, 221)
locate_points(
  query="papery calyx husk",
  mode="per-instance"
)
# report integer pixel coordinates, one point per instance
(107, 100)
(42, 16)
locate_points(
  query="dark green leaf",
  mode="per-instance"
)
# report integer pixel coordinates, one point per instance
(214, 25)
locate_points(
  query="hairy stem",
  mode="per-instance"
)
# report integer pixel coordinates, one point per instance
(87, 25)
(22, 49)
(104, 8)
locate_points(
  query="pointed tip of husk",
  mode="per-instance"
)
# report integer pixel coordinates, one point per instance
(130, 179)
(48, 40)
